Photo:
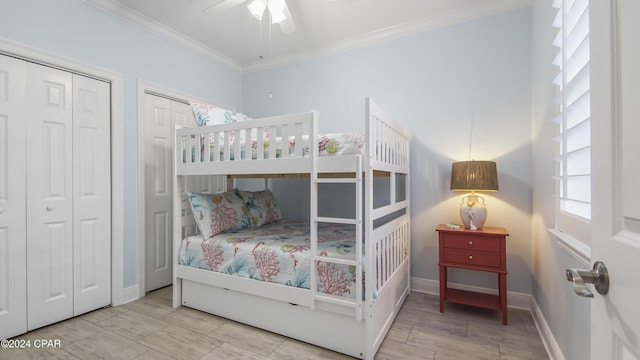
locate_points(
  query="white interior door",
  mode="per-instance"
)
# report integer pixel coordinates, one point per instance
(615, 66)
(157, 170)
(91, 194)
(49, 196)
(13, 245)
(160, 116)
(181, 114)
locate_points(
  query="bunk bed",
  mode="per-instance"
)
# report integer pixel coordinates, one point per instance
(353, 321)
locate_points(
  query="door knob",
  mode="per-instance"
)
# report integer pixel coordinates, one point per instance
(599, 277)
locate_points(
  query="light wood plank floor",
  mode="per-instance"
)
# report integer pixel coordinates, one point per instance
(150, 329)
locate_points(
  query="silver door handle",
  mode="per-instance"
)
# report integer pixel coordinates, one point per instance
(599, 277)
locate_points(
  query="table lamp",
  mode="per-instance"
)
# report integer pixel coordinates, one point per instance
(472, 176)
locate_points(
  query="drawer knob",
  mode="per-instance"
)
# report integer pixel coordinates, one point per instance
(470, 242)
(470, 257)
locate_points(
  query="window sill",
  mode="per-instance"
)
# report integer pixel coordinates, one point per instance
(573, 246)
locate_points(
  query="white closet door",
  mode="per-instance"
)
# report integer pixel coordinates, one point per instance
(13, 246)
(158, 202)
(161, 115)
(91, 194)
(181, 114)
(49, 196)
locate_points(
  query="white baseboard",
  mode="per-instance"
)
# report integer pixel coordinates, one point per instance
(130, 294)
(515, 300)
(549, 341)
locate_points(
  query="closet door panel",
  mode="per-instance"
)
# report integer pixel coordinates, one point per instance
(158, 128)
(91, 194)
(49, 196)
(13, 246)
(182, 114)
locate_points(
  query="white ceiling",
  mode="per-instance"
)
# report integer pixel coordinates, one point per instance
(235, 38)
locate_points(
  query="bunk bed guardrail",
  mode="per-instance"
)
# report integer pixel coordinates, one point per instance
(249, 147)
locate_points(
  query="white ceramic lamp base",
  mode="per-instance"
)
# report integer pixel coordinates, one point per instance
(473, 213)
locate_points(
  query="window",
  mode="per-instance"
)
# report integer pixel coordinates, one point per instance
(574, 117)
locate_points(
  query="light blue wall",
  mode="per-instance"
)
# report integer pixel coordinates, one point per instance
(434, 82)
(75, 30)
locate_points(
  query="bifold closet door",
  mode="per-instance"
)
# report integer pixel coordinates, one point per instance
(91, 194)
(49, 196)
(13, 246)
(68, 196)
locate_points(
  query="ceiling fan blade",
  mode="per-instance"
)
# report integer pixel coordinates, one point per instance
(221, 5)
(287, 25)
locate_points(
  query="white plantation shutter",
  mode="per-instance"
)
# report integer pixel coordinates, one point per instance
(574, 115)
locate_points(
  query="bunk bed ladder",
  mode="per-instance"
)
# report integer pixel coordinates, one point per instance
(356, 302)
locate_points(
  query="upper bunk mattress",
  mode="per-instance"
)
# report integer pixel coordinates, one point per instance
(278, 252)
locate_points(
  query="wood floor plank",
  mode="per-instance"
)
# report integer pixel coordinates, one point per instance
(133, 325)
(195, 320)
(296, 350)
(247, 337)
(180, 343)
(392, 350)
(231, 352)
(106, 345)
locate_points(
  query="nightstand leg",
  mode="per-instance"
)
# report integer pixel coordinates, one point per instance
(502, 288)
(443, 286)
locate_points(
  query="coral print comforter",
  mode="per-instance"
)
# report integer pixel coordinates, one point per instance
(278, 252)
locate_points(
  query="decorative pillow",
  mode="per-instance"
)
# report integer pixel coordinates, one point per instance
(207, 114)
(216, 213)
(262, 205)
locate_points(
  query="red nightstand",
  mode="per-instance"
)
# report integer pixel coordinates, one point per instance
(482, 250)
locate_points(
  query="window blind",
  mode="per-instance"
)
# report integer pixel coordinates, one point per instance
(574, 104)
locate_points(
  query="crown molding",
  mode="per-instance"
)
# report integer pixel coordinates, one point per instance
(133, 17)
(491, 7)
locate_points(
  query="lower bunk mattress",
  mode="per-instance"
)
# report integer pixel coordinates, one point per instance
(279, 252)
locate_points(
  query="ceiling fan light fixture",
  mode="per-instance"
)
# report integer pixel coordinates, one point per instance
(257, 7)
(277, 18)
(276, 8)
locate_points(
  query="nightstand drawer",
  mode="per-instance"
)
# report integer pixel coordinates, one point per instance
(472, 242)
(472, 258)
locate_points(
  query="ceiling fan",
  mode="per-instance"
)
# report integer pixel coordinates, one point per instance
(278, 11)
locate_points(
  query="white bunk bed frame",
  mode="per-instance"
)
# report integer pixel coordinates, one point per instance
(354, 326)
